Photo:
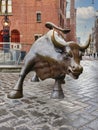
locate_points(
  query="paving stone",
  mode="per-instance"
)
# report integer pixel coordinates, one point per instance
(79, 122)
(6, 118)
(64, 127)
(90, 109)
(87, 116)
(95, 113)
(6, 128)
(93, 124)
(85, 128)
(3, 112)
(22, 128)
(60, 122)
(4, 124)
(46, 127)
(16, 122)
(19, 113)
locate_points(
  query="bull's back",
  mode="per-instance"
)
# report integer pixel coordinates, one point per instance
(43, 46)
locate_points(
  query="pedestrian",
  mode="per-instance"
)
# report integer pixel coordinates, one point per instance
(97, 54)
(94, 55)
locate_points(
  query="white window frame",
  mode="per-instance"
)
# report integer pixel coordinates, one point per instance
(38, 13)
(38, 35)
(3, 6)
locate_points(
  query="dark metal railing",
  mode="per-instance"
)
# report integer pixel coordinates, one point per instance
(12, 53)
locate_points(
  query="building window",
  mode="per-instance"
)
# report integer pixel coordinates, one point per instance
(61, 21)
(62, 5)
(5, 6)
(36, 36)
(38, 16)
(68, 8)
(97, 21)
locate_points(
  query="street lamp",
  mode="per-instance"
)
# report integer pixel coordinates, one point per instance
(6, 28)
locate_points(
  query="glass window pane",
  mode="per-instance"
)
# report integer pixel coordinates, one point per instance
(9, 2)
(3, 2)
(9, 9)
(38, 16)
(3, 9)
(9, 6)
(68, 9)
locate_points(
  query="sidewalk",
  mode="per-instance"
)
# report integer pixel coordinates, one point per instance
(37, 111)
(89, 58)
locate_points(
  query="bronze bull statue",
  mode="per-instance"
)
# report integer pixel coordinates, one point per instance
(51, 57)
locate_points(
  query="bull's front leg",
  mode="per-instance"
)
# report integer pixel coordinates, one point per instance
(57, 92)
(18, 89)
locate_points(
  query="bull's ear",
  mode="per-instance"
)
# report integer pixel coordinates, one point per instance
(82, 48)
(49, 25)
(65, 31)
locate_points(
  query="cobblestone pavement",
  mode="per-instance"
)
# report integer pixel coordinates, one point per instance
(37, 111)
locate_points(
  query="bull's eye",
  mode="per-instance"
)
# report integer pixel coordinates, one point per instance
(67, 55)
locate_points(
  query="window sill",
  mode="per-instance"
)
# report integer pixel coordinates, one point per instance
(38, 21)
(3, 14)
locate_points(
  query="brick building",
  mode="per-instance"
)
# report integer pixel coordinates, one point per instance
(28, 18)
(71, 20)
(95, 35)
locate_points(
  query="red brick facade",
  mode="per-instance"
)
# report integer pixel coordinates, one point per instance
(71, 22)
(23, 18)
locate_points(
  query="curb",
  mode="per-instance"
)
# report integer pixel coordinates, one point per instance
(10, 68)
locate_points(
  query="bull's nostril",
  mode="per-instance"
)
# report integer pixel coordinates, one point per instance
(69, 70)
(73, 67)
(77, 68)
(81, 69)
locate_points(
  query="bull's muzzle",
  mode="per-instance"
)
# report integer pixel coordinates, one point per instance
(75, 71)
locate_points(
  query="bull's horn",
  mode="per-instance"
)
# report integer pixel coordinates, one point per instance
(82, 48)
(55, 42)
(51, 26)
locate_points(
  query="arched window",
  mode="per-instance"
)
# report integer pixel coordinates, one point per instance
(15, 36)
(1, 35)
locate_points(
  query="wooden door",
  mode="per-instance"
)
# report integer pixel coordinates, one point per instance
(15, 36)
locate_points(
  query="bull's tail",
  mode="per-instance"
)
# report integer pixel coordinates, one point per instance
(51, 26)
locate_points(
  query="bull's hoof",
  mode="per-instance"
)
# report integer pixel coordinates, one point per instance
(56, 94)
(15, 94)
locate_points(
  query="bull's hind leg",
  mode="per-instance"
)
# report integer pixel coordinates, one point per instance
(57, 92)
(18, 89)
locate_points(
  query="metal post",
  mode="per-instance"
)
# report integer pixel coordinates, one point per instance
(6, 30)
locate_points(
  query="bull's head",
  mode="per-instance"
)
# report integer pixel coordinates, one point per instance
(73, 54)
